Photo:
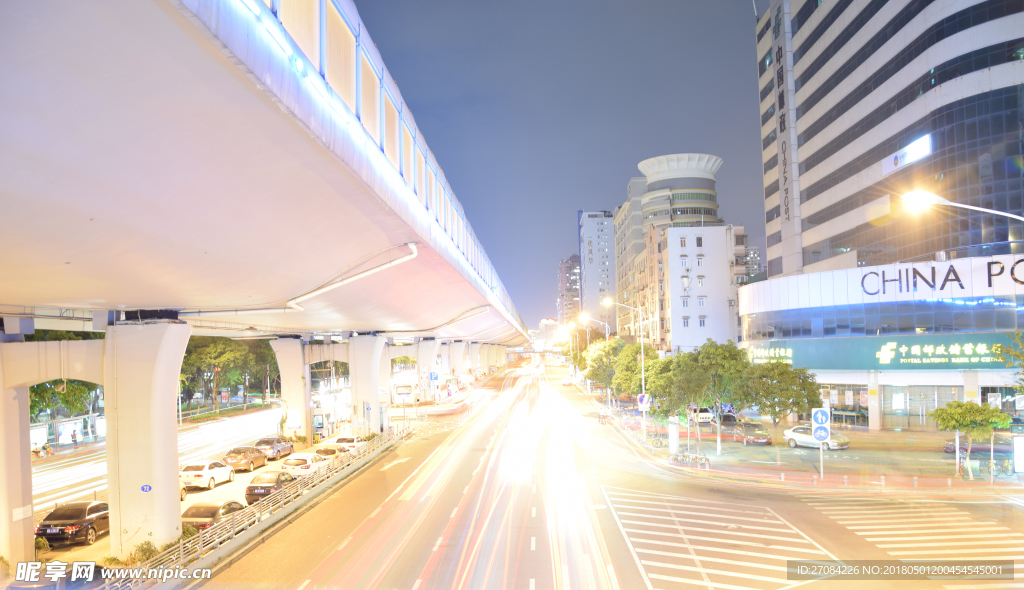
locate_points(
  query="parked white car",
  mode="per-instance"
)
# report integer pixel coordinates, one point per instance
(301, 464)
(800, 436)
(702, 415)
(350, 442)
(205, 474)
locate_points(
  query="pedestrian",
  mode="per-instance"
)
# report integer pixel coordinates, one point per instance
(74, 438)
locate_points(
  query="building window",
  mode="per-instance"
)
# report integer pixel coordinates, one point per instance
(700, 261)
(682, 242)
(700, 281)
(700, 242)
(685, 259)
(701, 321)
(700, 301)
(686, 302)
(686, 321)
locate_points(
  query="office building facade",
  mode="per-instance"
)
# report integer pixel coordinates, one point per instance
(597, 266)
(568, 303)
(864, 101)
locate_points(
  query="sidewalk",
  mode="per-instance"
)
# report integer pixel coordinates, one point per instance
(917, 462)
(69, 450)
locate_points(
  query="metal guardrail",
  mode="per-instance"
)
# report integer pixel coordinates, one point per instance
(194, 548)
(428, 427)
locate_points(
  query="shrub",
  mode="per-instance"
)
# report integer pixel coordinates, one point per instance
(42, 545)
(5, 568)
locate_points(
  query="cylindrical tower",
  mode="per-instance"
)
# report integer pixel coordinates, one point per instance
(680, 190)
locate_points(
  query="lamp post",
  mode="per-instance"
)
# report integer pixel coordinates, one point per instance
(608, 302)
(921, 200)
(584, 318)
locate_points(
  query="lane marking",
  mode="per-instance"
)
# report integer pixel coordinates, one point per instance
(454, 510)
(393, 463)
(904, 532)
(534, 488)
(728, 550)
(534, 511)
(933, 537)
(465, 490)
(725, 541)
(342, 546)
(304, 584)
(611, 576)
(565, 576)
(416, 585)
(533, 584)
(948, 551)
(374, 513)
(533, 543)
(911, 526)
(703, 558)
(438, 544)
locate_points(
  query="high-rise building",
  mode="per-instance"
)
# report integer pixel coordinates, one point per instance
(676, 201)
(597, 265)
(568, 303)
(752, 258)
(862, 102)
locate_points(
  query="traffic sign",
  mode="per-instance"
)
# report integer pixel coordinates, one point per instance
(147, 488)
(821, 421)
(644, 401)
(433, 376)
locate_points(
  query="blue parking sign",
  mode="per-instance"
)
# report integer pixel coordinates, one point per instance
(433, 376)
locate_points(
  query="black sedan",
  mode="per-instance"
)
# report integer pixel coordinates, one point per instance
(75, 522)
(748, 433)
(245, 458)
(204, 515)
(264, 484)
(1004, 446)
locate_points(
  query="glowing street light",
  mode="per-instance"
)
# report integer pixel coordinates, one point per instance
(584, 318)
(918, 201)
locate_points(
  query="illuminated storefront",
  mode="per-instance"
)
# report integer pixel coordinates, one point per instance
(892, 343)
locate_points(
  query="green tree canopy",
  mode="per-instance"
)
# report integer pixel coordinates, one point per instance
(724, 365)
(976, 422)
(778, 390)
(600, 359)
(74, 395)
(627, 377)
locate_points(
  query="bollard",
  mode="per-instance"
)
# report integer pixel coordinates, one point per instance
(915, 481)
(846, 480)
(949, 482)
(707, 467)
(883, 481)
(782, 476)
(814, 480)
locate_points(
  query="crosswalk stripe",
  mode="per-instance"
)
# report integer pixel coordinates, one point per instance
(672, 511)
(702, 558)
(727, 541)
(890, 513)
(687, 528)
(969, 523)
(992, 528)
(931, 537)
(688, 504)
(937, 520)
(729, 550)
(699, 582)
(742, 526)
(955, 551)
(690, 568)
(946, 544)
(993, 585)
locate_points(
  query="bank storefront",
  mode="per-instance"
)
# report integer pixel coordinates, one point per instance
(890, 344)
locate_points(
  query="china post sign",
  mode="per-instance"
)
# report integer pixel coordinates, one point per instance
(953, 351)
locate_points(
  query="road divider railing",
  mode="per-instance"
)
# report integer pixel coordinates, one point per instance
(197, 547)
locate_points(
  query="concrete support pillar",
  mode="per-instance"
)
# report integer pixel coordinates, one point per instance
(426, 359)
(504, 355)
(485, 356)
(458, 358)
(364, 363)
(474, 357)
(295, 386)
(874, 402)
(141, 365)
(972, 393)
(383, 391)
(444, 358)
(17, 542)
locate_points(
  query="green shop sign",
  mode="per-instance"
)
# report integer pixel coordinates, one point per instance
(953, 351)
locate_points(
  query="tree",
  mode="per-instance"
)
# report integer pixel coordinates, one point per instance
(600, 361)
(778, 390)
(627, 377)
(724, 365)
(659, 381)
(976, 422)
(214, 361)
(71, 394)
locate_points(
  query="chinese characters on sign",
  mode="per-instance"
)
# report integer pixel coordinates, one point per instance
(935, 354)
(764, 355)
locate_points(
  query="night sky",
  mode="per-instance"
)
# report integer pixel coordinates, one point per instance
(536, 109)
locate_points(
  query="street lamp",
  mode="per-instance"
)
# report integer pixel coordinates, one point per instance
(920, 200)
(608, 302)
(584, 318)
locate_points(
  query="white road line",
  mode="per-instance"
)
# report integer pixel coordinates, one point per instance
(936, 520)
(955, 551)
(993, 585)
(454, 510)
(534, 488)
(533, 584)
(438, 544)
(632, 551)
(533, 543)
(465, 490)
(930, 537)
(703, 558)
(994, 528)
(946, 544)
(565, 576)
(719, 531)
(533, 511)
(694, 520)
(611, 577)
(670, 511)
(342, 546)
(416, 585)
(704, 570)
(374, 513)
(728, 550)
(969, 523)
(727, 541)
(701, 582)
(304, 584)
(688, 504)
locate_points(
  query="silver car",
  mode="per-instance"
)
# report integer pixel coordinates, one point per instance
(800, 436)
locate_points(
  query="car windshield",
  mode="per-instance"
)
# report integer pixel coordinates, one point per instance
(346, 440)
(325, 451)
(67, 513)
(238, 451)
(266, 442)
(194, 468)
(294, 462)
(201, 512)
(265, 478)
